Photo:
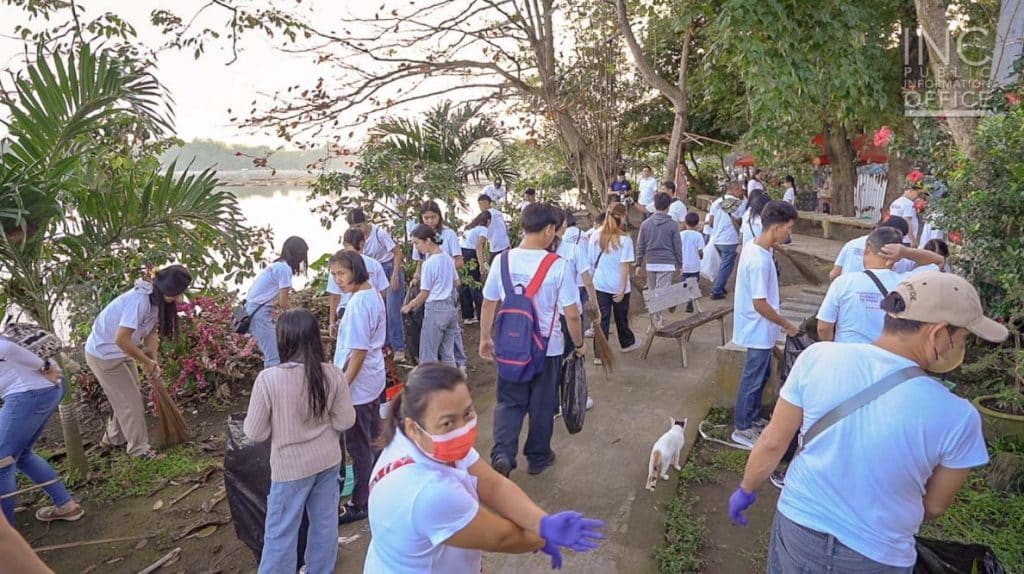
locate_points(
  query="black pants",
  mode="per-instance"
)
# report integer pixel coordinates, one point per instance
(359, 441)
(471, 299)
(621, 312)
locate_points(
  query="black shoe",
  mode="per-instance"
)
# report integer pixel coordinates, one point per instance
(541, 468)
(351, 513)
(689, 308)
(718, 297)
(502, 466)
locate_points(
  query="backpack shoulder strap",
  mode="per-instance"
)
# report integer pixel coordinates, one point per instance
(865, 396)
(877, 281)
(542, 272)
(506, 274)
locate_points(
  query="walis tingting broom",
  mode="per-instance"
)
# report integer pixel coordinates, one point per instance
(602, 349)
(172, 426)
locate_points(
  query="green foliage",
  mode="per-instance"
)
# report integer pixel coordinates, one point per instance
(541, 165)
(982, 515)
(985, 207)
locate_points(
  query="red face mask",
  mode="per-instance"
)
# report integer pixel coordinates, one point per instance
(452, 446)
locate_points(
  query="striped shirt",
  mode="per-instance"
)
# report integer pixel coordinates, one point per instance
(300, 446)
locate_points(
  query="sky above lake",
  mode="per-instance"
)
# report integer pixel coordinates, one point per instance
(205, 89)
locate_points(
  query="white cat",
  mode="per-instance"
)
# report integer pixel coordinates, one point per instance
(666, 451)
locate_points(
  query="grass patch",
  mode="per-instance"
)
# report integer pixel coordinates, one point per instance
(982, 515)
(685, 531)
(730, 459)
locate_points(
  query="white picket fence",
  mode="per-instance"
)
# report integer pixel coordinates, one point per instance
(869, 196)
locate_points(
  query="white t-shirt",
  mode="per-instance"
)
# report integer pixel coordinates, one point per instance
(677, 211)
(648, 189)
(750, 227)
(269, 283)
(449, 244)
(852, 303)
(20, 370)
(756, 278)
(851, 256)
(130, 309)
(379, 245)
(927, 268)
(470, 237)
(557, 292)
(574, 250)
(378, 280)
(608, 271)
(863, 480)
(438, 276)
(753, 184)
(416, 504)
(904, 207)
(362, 329)
(725, 232)
(904, 266)
(693, 243)
(930, 231)
(497, 232)
(497, 194)
(790, 196)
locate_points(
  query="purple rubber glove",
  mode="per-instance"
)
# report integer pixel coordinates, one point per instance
(555, 554)
(571, 530)
(738, 502)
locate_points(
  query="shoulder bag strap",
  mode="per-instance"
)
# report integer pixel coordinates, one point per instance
(542, 272)
(506, 274)
(858, 400)
(877, 281)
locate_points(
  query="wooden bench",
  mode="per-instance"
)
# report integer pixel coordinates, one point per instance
(687, 291)
(827, 221)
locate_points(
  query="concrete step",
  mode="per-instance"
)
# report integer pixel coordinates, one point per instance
(819, 291)
(808, 299)
(800, 307)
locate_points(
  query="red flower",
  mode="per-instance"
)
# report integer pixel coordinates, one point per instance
(1013, 99)
(882, 136)
(915, 176)
(955, 237)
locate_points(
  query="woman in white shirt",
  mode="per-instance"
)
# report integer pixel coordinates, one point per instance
(750, 223)
(272, 289)
(431, 215)
(360, 354)
(382, 247)
(611, 254)
(472, 245)
(435, 506)
(31, 388)
(139, 316)
(790, 194)
(337, 299)
(438, 281)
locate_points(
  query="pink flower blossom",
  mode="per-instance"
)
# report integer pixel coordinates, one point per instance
(1013, 99)
(883, 136)
(915, 176)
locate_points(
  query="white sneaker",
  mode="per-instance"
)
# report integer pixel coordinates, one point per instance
(590, 403)
(598, 362)
(746, 438)
(633, 347)
(470, 321)
(399, 356)
(462, 369)
(589, 333)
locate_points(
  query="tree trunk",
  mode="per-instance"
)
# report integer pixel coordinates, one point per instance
(948, 70)
(844, 171)
(898, 168)
(695, 181)
(73, 437)
(682, 109)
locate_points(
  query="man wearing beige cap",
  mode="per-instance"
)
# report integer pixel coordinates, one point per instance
(884, 446)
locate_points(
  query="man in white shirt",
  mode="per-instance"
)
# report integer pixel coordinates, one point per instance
(726, 213)
(756, 318)
(851, 256)
(677, 209)
(539, 397)
(755, 182)
(496, 191)
(529, 198)
(851, 312)
(648, 188)
(497, 230)
(903, 207)
(865, 484)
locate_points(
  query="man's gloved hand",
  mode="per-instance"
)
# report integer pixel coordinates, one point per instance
(571, 530)
(555, 554)
(739, 502)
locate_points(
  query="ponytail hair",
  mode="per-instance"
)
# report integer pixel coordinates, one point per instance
(170, 281)
(481, 220)
(425, 232)
(423, 383)
(295, 252)
(613, 228)
(354, 237)
(298, 338)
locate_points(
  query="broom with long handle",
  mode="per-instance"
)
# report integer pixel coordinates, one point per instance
(173, 429)
(601, 347)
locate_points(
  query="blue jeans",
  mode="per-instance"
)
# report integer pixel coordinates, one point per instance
(318, 496)
(794, 549)
(727, 253)
(261, 327)
(756, 371)
(22, 419)
(539, 399)
(395, 329)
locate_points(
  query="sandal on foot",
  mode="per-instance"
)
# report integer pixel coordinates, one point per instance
(351, 513)
(51, 514)
(151, 455)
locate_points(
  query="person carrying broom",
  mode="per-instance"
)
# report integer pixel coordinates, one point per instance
(140, 315)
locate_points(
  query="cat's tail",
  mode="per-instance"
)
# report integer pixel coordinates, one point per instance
(655, 462)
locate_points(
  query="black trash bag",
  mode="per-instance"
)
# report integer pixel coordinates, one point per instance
(572, 393)
(794, 346)
(413, 324)
(247, 482)
(945, 557)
